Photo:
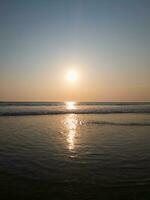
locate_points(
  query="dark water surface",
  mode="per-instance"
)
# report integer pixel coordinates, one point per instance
(76, 154)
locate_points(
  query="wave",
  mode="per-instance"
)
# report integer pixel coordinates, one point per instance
(18, 104)
(60, 112)
(5, 103)
(119, 123)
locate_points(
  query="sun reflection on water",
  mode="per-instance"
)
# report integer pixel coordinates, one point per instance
(71, 123)
(70, 105)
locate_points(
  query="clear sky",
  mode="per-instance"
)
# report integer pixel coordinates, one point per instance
(107, 43)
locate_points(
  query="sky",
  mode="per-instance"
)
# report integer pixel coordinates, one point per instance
(106, 42)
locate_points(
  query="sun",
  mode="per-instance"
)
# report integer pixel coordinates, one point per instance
(72, 75)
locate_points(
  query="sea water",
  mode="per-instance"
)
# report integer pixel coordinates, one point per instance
(88, 150)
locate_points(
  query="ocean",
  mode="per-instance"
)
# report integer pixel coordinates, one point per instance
(74, 150)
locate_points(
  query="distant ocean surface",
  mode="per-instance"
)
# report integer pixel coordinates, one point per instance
(70, 150)
(48, 108)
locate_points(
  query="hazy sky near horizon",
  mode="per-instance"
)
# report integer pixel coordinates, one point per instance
(107, 42)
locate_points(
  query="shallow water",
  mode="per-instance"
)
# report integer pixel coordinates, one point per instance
(75, 156)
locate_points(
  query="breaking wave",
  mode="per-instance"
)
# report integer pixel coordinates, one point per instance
(59, 112)
(57, 108)
(119, 123)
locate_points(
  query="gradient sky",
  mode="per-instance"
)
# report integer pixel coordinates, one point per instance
(106, 41)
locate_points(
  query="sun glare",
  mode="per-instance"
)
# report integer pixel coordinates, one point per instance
(72, 75)
(71, 105)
